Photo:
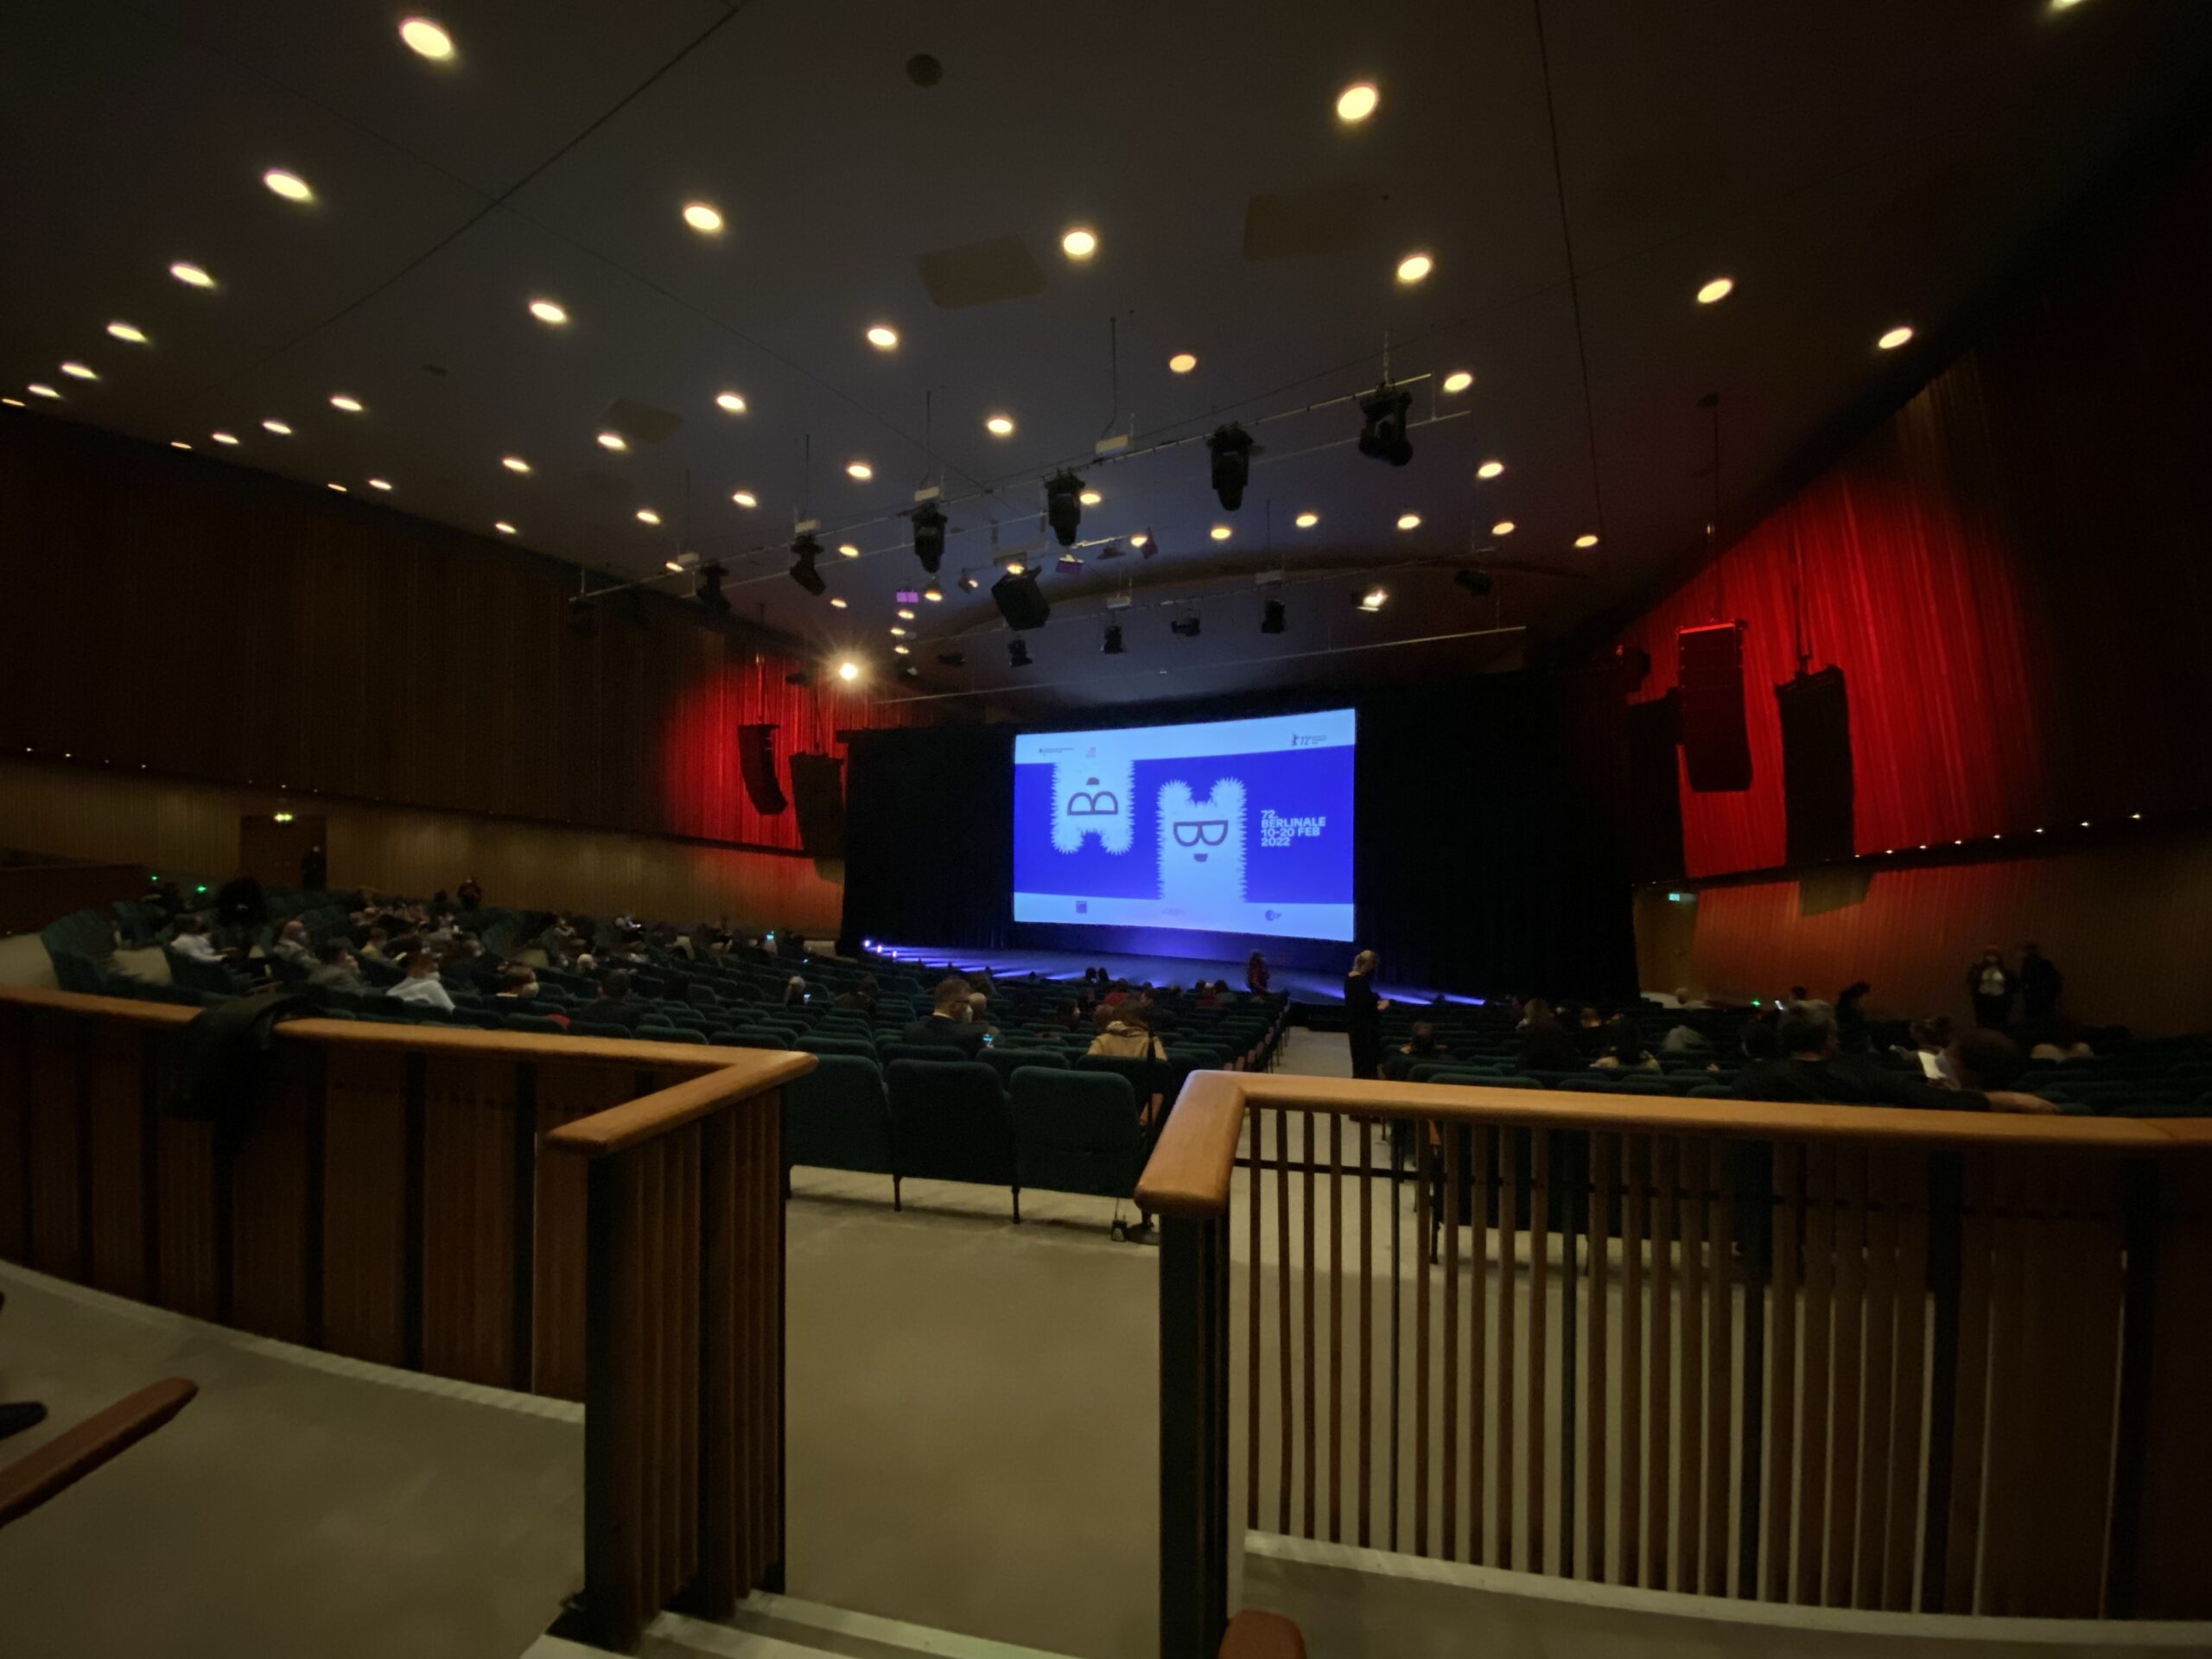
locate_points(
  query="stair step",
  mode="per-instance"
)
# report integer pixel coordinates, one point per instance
(784, 1627)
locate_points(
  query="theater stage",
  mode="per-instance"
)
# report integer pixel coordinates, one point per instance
(1304, 985)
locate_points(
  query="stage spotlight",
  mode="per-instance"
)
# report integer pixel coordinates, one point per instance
(709, 592)
(804, 551)
(934, 594)
(583, 618)
(1231, 447)
(952, 660)
(967, 582)
(1063, 506)
(1383, 434)
(1271, 617)
(1186, 626)
(928, 535)
(1112, 647)
(1017, 654)
(1477, 583)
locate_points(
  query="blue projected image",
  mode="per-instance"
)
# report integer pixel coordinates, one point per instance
(1235, 826)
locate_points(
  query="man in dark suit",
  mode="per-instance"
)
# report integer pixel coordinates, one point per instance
(947, 1024)
(615, 1005)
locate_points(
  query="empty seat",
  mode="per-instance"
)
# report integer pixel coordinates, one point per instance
(851, 1048)
(1076, 1131)
(949, 1123)
(1007, 1061)
(836, 1117)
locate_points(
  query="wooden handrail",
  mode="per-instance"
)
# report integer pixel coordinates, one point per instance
(1189, 1172)
(1253, 1635)
(70, 1456)
(749, 1071)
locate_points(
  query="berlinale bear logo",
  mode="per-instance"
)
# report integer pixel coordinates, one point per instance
(1091, 799)
(1202, 847)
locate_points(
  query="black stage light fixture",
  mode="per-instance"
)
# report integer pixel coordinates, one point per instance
(709, 592)
(1187, 626)
(1063, 505)
(1231, 447)
(1271, 617)
(968, 582)
(933, 593)
(1113, 645)
(928, 535)
(1017, 654)
(804, 551)
(1382, 432)
(1477, 583)
(952, 660)
(1020, 601)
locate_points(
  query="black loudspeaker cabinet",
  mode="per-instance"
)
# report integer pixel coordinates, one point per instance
(818, 796)
(756, 761)
(1020, 601)
(1709, 679)
(1818, 790)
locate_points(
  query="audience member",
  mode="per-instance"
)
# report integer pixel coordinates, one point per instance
(948, 1023)
(1546, 1046)
(1810, 1071)
(375, 947)
(1422, 1043)
(315, 870)
(794, 990)
(1991, 988)
(191, 940)
(1759, 1040)
(1115, 995)
(517, 983)
(1129, 1036)
(337, 970)
(614, 1002)
(1686, 1036)
(1070, 1016)
(861, 998)
(1850, 1018)
(2060, 1041)
(1624, 1049)
(421, 984)
(1979, 1060)
(292, 945)
(1255, 974)
(2040, 983)
(470, 894)
(1364, 1015)
(1207, 996)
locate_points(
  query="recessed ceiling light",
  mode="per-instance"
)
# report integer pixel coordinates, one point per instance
(647, 516)
(906, 615)
(671, 564)
(1490, 469)
(1079, 243)
(614, 441)
(192, 276)
(847, 550)
(514, 463)
(291, 185)
(1460, 380)
(1410, 521)
(900, 651)
(175, 443)
(730, 401)
(1503, 527)
(1717, 289)
(1357, 101)
(1090, 498)
(79, 372)
(1374, 599)
(898, 631)
(1182, 363)
(1219, 532)
(547, 311)
(1000, 426)
(1307, 520)
(1014, 567)
(426, 38)
(340, 488)
(703, 218)
(503, 527)
(379, 483)
(745, 498)
(1415, 267)
(278, 428)
(859, 471)
(340, 400)
(934, 594)
(126, 331)
(40, 388)
(17, 403)
(883, 338)
(219, 437)
(1585, 541)
(1895, 337)
(837, 604)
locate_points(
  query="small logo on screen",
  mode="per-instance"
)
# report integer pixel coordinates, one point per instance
(1307, 741)
(1083, 906)
(1273, 915)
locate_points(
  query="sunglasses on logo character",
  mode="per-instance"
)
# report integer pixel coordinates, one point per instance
(1200, 832)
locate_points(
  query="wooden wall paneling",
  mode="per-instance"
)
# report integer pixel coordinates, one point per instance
(2173, 1522)
(2009, 1512)
(1721, 1402)
(1310, 1267)
(1604, 1190)
(1690, 1213)
(1881, 1388)
(1782, 1432)
(566, 1090)
(1635, 1232)
(57, 1144)
(16, 1071)
(1909, 1182)
(1813, 1466)
(1540, 1417)
(119, 1151)
(1658, 1484)
(1480, 1139)
(271, 1217)
(1847, 1379)
(365, 1242)
(469, 1195)
(1970, 1427)
(1504, 1449)
(185, 1167)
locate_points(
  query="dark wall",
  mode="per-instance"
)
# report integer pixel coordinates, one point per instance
(208, 621)
(1485, 862)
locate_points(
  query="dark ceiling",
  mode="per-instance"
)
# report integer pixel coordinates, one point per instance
(1575, 170)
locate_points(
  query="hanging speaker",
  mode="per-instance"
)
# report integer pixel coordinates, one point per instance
(1652, 829)
(818, 797)
(1709, 676)
(756, 761)
(1817, 789)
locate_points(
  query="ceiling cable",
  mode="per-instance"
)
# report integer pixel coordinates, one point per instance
(1573, 283)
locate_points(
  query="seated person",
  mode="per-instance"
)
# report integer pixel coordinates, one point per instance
(1624, 1049)
(615, 1005)
(861, 998)
(1128, 1036)
(2060, 1041)
(1809, 1070)
(517, 983)
(191, 940)
(338, 970)
(794, 990)
(292, 945)
(1423, 1045)
(420, 984)
(947, 1025)
(1546, 1046)
(1980, 1060)
(1070, 1016)
(1686, 1039)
